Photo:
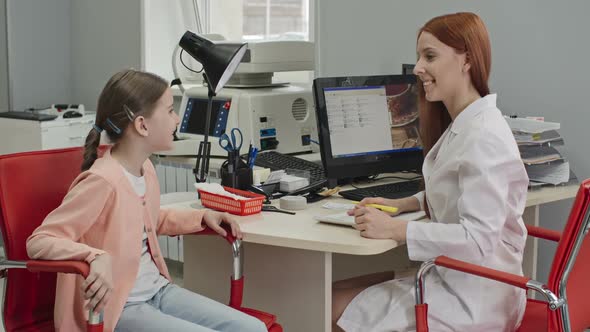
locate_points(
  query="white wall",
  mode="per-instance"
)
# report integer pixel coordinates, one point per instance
(106, 37)
(38, 52)
(164, 24)
(539, 67)
(4, 95)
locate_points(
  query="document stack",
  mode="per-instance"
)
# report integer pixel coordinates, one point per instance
(539, 144)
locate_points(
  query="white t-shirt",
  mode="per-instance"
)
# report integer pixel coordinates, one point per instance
(149, 280)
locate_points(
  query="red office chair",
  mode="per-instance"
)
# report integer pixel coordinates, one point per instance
(569, 276)
(32, 184)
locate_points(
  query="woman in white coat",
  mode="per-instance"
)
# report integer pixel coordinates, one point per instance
(475, 193)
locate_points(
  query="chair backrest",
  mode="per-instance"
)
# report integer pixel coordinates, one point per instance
(570, 271)
(32, 184)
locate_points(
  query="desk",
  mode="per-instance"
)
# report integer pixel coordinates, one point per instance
(291, 261)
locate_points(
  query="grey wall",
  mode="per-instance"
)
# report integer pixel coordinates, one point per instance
(39, 52)
(4, 101)
(539, 64)
(106, 37)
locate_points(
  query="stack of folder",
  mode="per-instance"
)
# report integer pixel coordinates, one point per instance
(540, 143)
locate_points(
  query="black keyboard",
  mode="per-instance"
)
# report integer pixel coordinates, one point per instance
(27, 116)
(390, 190)
(277, 161)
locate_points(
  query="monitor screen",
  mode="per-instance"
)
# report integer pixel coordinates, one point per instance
(194, 117)
(368, 125)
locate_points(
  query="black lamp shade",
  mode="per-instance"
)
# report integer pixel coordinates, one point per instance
(219, 60)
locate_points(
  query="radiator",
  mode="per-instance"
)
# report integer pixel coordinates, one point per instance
(177, 176)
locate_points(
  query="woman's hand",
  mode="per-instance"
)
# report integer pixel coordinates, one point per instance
(214, 219)
(99, 284)
(376, 224)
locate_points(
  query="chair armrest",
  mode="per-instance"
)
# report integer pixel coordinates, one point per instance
(237, 279)
(505, 277)
(75, 267)
(501, 276)
(208, 231)
(543, 233)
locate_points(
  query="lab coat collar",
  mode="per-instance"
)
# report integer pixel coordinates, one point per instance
(464, 118)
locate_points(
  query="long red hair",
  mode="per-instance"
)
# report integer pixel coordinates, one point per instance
(467, 34)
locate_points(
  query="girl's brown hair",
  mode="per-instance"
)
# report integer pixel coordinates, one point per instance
(127, 94)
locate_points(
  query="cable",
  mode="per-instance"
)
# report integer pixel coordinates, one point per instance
(185, 66)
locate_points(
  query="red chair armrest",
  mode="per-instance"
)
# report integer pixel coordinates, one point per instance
(505, 277)
(208, 231)
(75, 267)
(543, 233)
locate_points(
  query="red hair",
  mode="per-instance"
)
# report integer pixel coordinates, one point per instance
(467, 34)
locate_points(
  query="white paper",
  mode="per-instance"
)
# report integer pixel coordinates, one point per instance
(554, 173)
(338, 206)
(275, 177)
(531, 126)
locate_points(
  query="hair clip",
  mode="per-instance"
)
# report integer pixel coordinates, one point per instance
(129, 113)
(97, 128)
(113, 126)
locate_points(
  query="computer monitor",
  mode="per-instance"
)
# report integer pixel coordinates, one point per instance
(408, 69)
(368, 125)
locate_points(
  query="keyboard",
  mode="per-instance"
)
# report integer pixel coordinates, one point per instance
(277, 161)
(27, 116)
(390, 190)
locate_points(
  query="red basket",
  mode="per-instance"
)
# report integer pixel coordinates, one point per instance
(241, 207)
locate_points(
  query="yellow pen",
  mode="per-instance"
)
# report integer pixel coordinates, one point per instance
(383, 208)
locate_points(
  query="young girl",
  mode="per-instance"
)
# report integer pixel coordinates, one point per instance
(476, 188)
(111, 218)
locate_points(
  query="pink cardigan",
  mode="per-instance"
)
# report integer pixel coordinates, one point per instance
(102, 213)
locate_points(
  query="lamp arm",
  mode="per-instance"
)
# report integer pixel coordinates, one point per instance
(175, 56)
(201, 169)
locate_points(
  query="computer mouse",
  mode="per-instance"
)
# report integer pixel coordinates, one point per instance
(71, 114)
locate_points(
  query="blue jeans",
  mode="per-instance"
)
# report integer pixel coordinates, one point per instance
(176, 309)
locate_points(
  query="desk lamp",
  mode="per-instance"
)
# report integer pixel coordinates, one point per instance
(219, 62)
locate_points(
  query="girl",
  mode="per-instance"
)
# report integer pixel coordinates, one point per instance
(111, 218)
(476, 188)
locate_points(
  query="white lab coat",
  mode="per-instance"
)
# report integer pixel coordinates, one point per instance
(476, 189)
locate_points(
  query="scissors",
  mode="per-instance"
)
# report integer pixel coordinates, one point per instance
(271, 208)
(233, 144)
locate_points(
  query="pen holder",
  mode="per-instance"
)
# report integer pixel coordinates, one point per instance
(235, 173)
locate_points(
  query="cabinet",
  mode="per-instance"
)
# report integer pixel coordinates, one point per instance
(26, 135)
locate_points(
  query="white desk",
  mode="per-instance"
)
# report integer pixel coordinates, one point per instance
(291, 261)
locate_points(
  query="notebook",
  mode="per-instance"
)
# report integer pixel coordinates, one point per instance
(342, 218)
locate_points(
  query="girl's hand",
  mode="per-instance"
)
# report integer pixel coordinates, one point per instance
(376, 224)
(99, 284)
(384, 201)
(213, 219)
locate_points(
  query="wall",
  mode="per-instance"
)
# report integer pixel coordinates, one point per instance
(4, 94)
(538, 63)
(106, 37)
(38, 52)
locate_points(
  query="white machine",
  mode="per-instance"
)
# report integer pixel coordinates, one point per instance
(273, 116)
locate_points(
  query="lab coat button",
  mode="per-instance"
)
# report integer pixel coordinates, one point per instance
(143, 203)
